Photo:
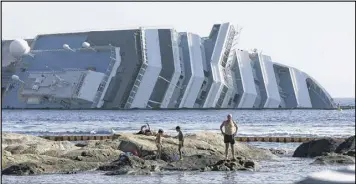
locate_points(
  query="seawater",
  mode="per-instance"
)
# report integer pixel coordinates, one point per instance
(286, 169)
(305, 123)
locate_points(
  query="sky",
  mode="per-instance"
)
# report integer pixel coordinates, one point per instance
(317, 38)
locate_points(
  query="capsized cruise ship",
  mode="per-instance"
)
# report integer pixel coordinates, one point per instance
(150, 68)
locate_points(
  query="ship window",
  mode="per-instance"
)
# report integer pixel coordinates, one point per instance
(236, 97)
(139, 77)
(203, 94)
(135, 88)
(206, 74)
(142, 71)
(130, 100)
(132, 94)
(137, 83)
(230, 101)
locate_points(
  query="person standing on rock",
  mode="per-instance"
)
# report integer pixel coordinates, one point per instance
(159, 143)
(181, 141)
(229, 135)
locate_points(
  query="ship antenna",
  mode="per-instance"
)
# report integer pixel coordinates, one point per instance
(239, 34)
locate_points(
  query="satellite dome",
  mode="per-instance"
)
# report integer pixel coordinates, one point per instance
(19, 48)
(253, 55)
(85, 45)
(66, 46)
(15, 77)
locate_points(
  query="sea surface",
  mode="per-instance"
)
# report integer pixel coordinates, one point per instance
(286, 169)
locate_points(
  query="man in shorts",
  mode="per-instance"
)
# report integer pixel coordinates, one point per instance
(229, 135)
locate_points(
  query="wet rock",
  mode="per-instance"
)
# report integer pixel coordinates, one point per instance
(220, 168)
(346, 146)
(193, 163)
(71, 172)
(350, 153)
(23, 169)
(278, 151)
(249, 164)
(236, 165)
(210, 163)
(80, 144)
(334, 159)
(40, 164)
(132, 165)
(316, 148)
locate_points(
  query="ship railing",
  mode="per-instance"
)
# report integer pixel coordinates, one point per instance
(106, 77)
(221, 99)
(181, 93)
(141, 72)
(137, 83)
(229, 81)
(80, 83)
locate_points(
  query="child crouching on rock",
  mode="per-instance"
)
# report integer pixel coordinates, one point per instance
(159, 143)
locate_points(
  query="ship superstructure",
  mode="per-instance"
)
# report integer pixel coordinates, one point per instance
(150, 67)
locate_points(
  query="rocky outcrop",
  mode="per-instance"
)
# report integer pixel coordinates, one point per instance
(136, 166)
(325, 147)
(316, 148)
(201, 143)
(278, 151)
(333, 159)
(26, 155)
(347, 147)
(40, 164)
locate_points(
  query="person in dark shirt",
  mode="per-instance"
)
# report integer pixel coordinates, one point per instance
(181, 141)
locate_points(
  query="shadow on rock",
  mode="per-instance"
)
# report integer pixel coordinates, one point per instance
(23, 169)
(334, 159)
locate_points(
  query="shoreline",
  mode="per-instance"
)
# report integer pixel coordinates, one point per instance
(26, 154)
